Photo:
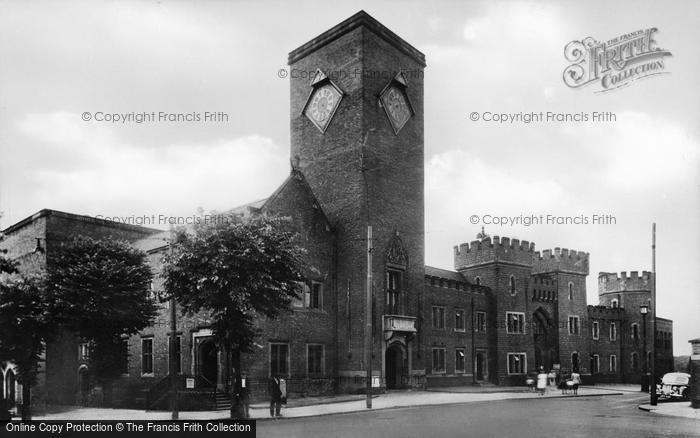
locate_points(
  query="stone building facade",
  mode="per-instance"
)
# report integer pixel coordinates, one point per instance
(357, 156)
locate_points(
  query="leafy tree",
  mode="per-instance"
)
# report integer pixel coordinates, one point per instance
(236, 270)
(25, 323)
(101, 291)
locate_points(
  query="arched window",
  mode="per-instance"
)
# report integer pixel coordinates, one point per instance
(571, 291)
(574, 362)
(477, 280)
(635, 362)
(615, 303)
(635, 331)
(512, 285)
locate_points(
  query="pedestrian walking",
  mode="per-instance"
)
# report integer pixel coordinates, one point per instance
(275, 393)
(541, 381)
(576, 380)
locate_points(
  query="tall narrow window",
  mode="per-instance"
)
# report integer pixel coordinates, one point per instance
(571, 291)
(573, 325)
(393, 291)
(147, 356)
(595, 364)
(477, 280)
(459, 320)
(480, 322)
(316, 299)
(613, 332)
(613, 363)
(438, 317)
(596, 330)
(438, 360)
(512, 285)
(459, 360)
(279, 359)
(635, 331)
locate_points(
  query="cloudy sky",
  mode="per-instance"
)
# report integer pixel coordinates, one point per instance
(61, 60)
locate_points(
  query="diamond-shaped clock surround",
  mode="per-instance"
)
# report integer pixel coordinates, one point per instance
(323, 101)
(397, 106)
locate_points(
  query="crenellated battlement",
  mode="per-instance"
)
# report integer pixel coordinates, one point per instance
(612, 282)
(604, 311)
(501, 249)
(561, 260)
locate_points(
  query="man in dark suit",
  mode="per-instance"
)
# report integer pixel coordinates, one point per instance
(275, 392)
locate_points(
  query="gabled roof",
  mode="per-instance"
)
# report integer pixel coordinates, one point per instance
(296, 176)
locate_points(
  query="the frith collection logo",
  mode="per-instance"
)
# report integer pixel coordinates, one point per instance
(616, 62)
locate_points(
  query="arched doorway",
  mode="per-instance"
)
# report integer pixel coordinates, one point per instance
(83, 385)
(480, 365)
(395, 370)
(209, 361)
(10, 394)
(545, 340)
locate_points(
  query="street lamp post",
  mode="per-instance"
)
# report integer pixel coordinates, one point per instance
(644, 310)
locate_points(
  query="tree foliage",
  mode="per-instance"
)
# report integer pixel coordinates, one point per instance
(25, 323)
(236, 270)
(101, 291)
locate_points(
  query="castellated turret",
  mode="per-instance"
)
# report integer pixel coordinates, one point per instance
(561, 260)
(624, 291)
(612, 282)
(520, 252)
(493, 249)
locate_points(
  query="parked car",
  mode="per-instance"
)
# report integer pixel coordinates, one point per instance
(674, 386)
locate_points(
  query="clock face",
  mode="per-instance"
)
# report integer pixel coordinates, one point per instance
(396, 106)
(322, 105)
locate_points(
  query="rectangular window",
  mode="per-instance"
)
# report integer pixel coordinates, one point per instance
(279, 359)
(595, 364)
(517, 363)
(480, 321)
(573, 325)
(613, 363)
(438, 317)
(316, 300)
(459, 360)
(596, 330)
(438, 360)
(459, 320)
(515, 322)
(178, 354)
(314, 360)
(84, 351)
(613, 332)
(393, 290)
(147, 356)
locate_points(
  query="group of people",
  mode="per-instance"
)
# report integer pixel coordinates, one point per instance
(553, 379)
(276, 390)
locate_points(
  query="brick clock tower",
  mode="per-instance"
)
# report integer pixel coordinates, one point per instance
(357, 136)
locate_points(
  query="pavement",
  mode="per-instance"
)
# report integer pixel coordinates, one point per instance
(672, 409)
(310, 407)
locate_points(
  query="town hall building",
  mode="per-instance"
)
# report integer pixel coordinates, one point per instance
(357, 182)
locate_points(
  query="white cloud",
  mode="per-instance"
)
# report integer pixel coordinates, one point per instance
(117, 178)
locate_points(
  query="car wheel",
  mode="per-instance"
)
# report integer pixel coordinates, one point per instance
(685, 394)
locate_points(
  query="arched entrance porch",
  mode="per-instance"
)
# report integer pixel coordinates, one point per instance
(396, 366)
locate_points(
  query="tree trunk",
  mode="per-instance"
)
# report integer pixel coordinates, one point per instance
(26, 402)
(237, 410)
